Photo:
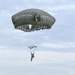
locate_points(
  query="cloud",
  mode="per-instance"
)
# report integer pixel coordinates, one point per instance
(63, 8)
(43, 1)
(2, 47)
(14, 52)
(53, 45)
(59, 45)
(40, 56)
(53, 62)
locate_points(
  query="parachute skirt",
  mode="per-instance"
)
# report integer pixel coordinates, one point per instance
(32, 19)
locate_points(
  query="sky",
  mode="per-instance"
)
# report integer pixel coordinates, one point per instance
(55, 52)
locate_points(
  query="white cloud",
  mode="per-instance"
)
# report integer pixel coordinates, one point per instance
(59, 45)
(17, 62)
(40, 56)
(2, 47)
(63, 7)
(44, 1)
(54, 45)
(48, 56)
(45, 59)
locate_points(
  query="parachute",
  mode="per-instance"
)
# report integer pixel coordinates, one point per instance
(32, 47)
(32, 19)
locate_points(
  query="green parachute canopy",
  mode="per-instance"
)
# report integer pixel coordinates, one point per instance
(32, 19)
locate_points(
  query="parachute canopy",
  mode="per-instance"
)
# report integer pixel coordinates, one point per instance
(32, 19)
(32, 47)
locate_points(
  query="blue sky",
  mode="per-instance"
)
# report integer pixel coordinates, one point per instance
(55, 54)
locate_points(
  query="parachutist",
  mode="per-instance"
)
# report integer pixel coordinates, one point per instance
(32, 55)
